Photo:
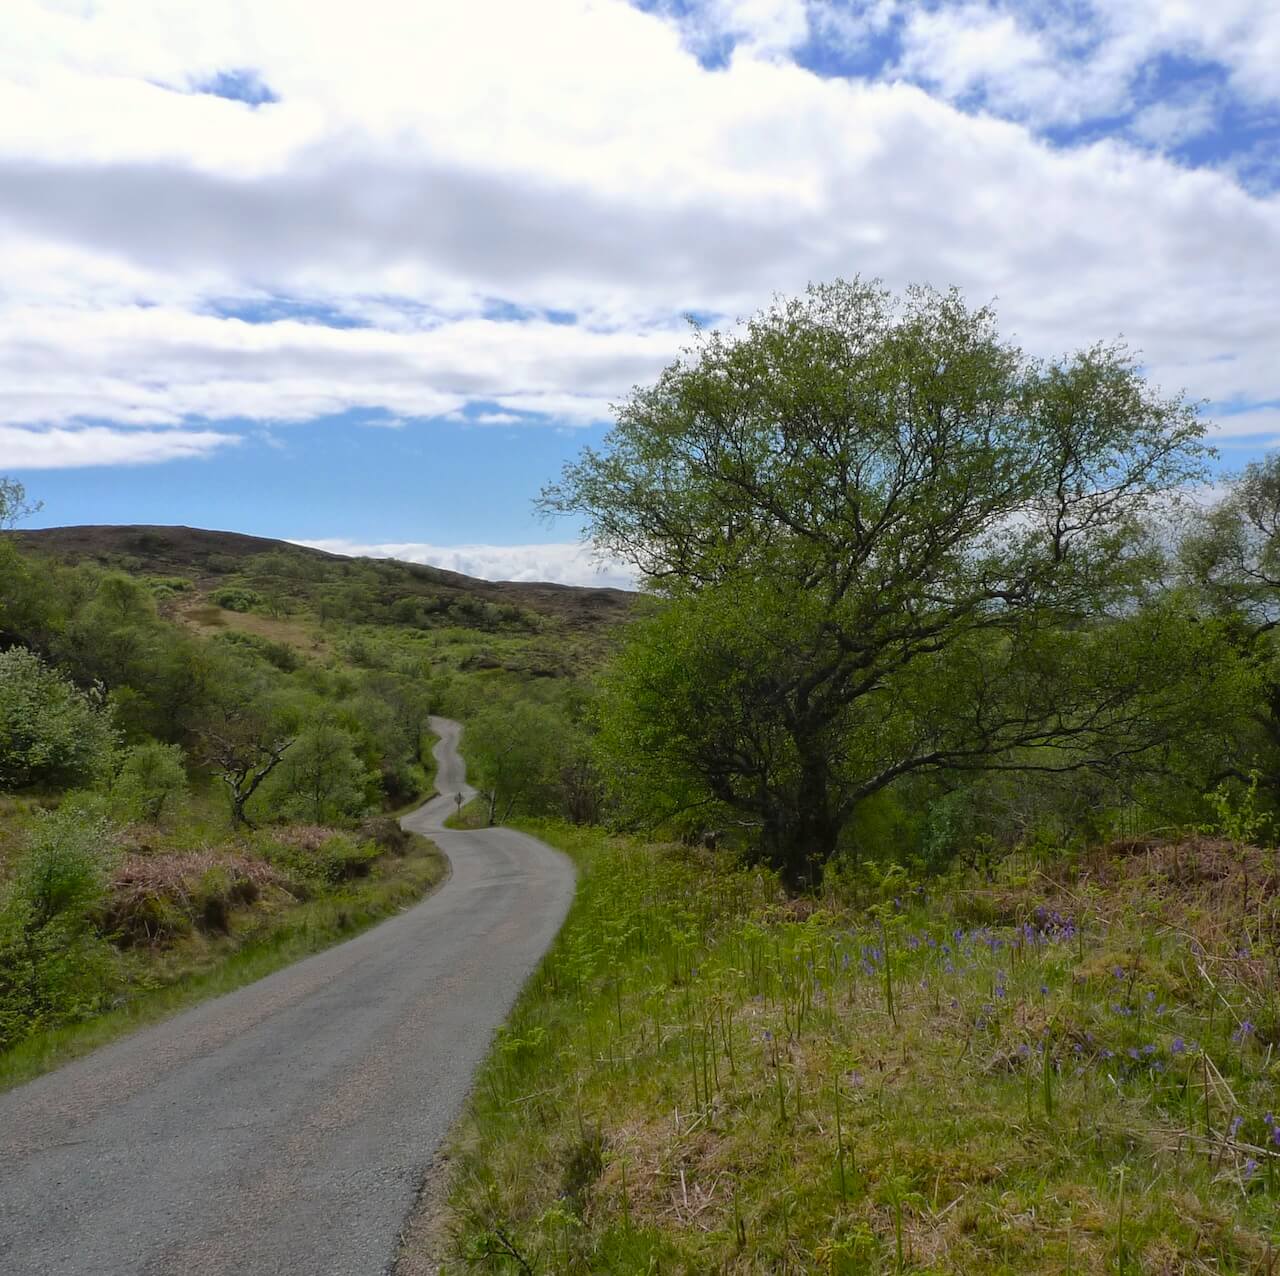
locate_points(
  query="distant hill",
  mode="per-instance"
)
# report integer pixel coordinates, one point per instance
(205, 557)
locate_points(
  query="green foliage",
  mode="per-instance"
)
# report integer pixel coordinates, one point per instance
(14, 505)
(236, 598)
(891, 543)
(701, 1073)
(278, 654)
(320, 779)
(54, 967)
(51, 732)
(326, 861)
(151, 777)
(515, 750)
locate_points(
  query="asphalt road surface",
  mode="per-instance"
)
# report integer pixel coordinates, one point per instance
(286, 1127)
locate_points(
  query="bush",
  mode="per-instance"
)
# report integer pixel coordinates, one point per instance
(54, 965)
(155, 898)
(151, 776)
(278, 654)
(315, 856)
(236, 598)
(51, 732)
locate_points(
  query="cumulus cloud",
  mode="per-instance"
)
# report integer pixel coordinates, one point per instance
(392, 219)
(559, 562)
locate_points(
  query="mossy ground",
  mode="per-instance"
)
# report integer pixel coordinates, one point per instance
(1069, 1068)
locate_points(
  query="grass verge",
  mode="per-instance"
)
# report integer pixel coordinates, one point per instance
(1069, 1070)
(250, 951)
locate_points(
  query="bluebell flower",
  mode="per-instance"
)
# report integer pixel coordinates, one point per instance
(1250, 1169)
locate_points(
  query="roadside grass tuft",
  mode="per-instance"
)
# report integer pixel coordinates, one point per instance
(703, 1077)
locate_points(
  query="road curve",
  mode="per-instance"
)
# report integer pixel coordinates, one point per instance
(286, 1127)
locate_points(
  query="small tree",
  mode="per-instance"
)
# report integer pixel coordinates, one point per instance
(511, 753)
(322, 778)
(14, 505)
(1230, 555)
(51, 732)
(245, 734)
(151, 776)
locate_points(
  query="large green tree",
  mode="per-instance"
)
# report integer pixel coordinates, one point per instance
(889, 541)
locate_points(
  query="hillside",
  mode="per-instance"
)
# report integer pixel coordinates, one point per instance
(207, 557)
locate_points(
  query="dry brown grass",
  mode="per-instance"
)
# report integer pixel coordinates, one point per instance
(206, 619)
(153, 898)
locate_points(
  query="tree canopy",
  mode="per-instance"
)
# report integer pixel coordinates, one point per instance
(888, 540)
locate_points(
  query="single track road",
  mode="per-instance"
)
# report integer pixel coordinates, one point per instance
(286, 1127)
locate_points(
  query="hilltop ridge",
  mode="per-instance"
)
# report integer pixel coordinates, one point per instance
(207, 554)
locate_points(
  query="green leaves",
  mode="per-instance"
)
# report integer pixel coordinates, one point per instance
(51, 732)
(885, 534)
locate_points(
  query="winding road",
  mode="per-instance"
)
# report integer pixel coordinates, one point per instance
(288, 1126)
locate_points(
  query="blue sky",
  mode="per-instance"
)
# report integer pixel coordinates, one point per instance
(372, 287)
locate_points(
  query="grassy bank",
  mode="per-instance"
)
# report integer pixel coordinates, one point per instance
(1068, 1069)
(163, 980)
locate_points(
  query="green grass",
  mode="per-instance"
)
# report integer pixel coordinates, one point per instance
(258, 945)
(703, 1077)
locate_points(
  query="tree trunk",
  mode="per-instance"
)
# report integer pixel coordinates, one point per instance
(801, 834)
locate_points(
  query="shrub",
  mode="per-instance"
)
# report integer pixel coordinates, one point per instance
(387, 833)
(151, 776)
(317, 856)
(236, 598)
(51, 732)
(279, 654)
(54, 964)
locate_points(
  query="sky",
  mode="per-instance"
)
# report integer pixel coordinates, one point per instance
(367, 275)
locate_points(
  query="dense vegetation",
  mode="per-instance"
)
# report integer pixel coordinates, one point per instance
(922, 593)
(201, 736)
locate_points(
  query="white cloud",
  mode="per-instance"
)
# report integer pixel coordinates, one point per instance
(560, 562)
(432, 158)
(1049, 63)
(1175, 122)
(60, 449)
(1247, 424)
(161, 365)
